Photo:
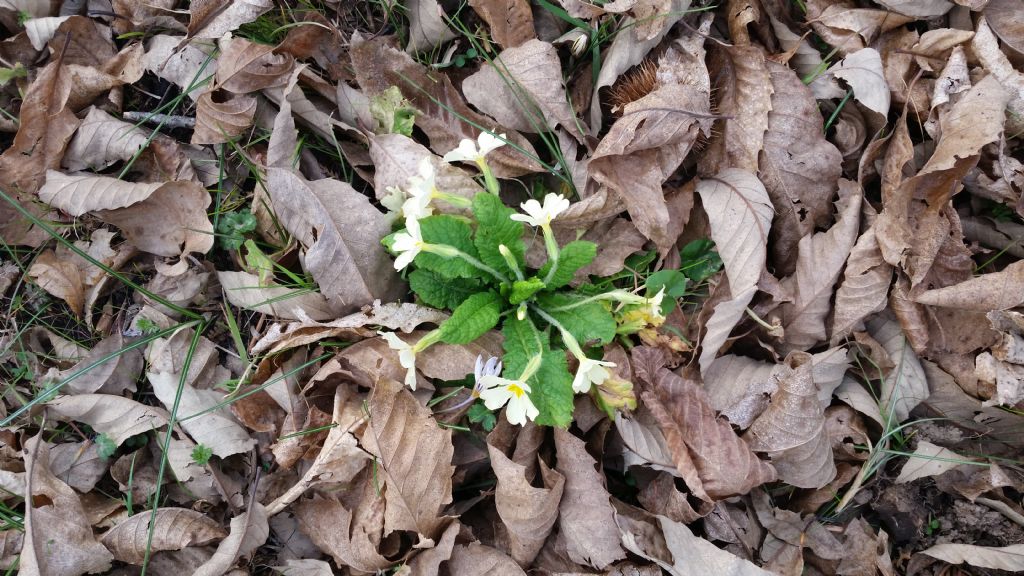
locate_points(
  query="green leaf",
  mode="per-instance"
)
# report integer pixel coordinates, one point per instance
(523, 289)
(440, 292)
(201, 454)
(476, 315)
(450, 231)
(393, 113)
(479, 413)
(494, 227)
(573, 256)
(105, 446)
(700, 260)
(591, 324)
(551, 387)
(673, 281)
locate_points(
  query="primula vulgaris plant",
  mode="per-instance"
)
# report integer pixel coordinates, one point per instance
(475, 267)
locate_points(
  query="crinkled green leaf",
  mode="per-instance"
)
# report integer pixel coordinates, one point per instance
(476, 315)
(440, 292)
(591, 324)
(523, 289)
(393, 113)
(494, 227)
(551, 387)
(700, 260)
(450, 231)
(573, 256)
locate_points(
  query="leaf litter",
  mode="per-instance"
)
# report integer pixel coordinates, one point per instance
(511, 286)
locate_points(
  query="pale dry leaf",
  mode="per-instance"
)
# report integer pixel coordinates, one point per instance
(986, 47)
(249, 531)
(443, 114)
(41, 30)
(688, 554)
(305, 567)
(427, 28)
(113, 376)
(173, 529)
(58, 538)
(644, 441)
(528, 512)
(78, 464)
(994, 291)
(725, 316)
(396, 158)
(798, 166)
(117, 417)
(820, 260)
(60, 278)
(862, 71)
(510, 21)
(189, 67)
(714, 461)
(1004, 16)
(864, 288)
(928, 460)
(415, 457)
(216, 429)
(215, 18)
(475, 559)
(792, 429)
(585, 516)
(167, 219)
(522, 88)
(245, 291)
(906, 385)
(350, 537)
(341, 231)
(102, 140)
(33, 8)
(918, 8)
(244, 66)
(428, 562)
(222, 119)
(1010, 558)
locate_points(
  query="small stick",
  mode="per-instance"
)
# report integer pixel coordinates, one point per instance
(164, 119)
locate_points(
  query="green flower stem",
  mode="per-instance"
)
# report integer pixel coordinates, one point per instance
(454, 199)
(447, 251)
(615, 295)
(570, 341)
(490, 182)
(552, 246)
(429, 339)
(510, 259)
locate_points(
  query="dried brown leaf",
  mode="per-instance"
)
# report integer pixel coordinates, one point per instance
(928, 460)
(427, 28)
(174, 529)
(476, 559)
(249, 531)
(102, 140)
(711, 458)
(1010, 558)
(415, 457)
(215, 18)
(78, 464)
(523, 90)
(116, 417)
(222, 117)
(244, 290)
(510, 21)
(862, 70)
(350, 537)
(864, 288)
(58, 538)
(744, 88)
(244, 66)
(792, 429)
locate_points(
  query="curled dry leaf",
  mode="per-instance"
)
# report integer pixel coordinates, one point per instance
(427, 29)
(585, 516)
(818, 266)
(994, 291)
(742, 79)
(222, 118)
(249, 531)
(522, 89)
(117, 417)
(864, 288)
(102, 140)
(173, 529)
(510, 21)
(187, 66)
(1010, 558)
(475, 559)
(798, 166)
(862, 70)
(792, 429)
(245, 66)
(710, 457)
(528, 512)
(215, 18)
(58, 537)
(740, 213)
(415, 457)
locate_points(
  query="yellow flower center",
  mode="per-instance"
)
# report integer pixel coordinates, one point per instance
(515, 389)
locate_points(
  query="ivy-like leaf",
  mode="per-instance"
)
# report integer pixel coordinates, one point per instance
(573, 256)
(551, 387)
(494, 227)
(440, 292)
(590, 324)
(523, 289)
(451, 231)
(476, 315)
